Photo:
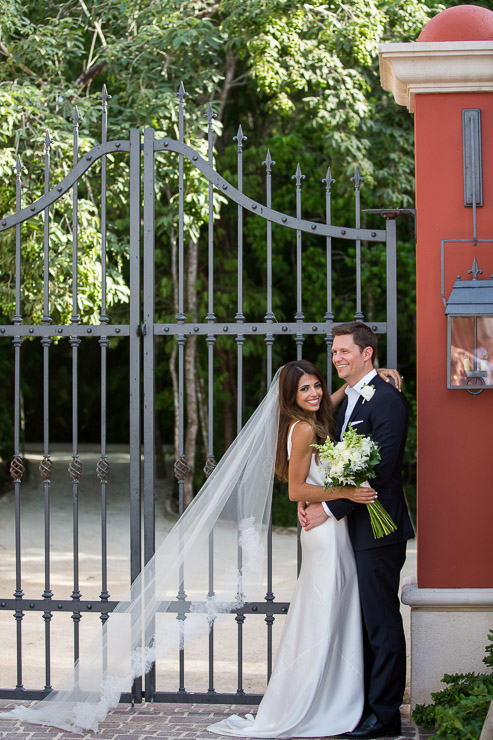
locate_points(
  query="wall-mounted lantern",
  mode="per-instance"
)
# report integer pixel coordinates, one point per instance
(469, 312)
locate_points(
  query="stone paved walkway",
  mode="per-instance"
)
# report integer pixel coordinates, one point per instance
(164, 721)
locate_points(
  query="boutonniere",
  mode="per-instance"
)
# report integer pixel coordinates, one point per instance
(367, 392)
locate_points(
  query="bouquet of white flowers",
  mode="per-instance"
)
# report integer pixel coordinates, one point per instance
(351, 462)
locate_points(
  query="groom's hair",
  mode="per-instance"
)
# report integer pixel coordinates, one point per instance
(363, 336)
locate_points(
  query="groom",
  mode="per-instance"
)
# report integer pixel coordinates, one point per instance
(375, 408)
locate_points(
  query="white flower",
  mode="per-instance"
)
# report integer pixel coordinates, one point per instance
(367, 392)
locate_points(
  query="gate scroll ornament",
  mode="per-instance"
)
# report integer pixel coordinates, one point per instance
(140, 332)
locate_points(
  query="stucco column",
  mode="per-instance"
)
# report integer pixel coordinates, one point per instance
(449, 69)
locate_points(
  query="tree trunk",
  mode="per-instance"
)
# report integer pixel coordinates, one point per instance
(159, 454)
(174, 380)
(227, 370)
(203, 415)
(230, 65)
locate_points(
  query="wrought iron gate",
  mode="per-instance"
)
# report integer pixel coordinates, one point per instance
(141, 154)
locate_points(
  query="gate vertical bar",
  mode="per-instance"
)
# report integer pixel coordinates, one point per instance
(299, 338)
(211, 340)
(240, 339)
(299, 316)
(75, 467)
(329, 315)
(269, 318)
(391, 254)
(46, 465)
(240, 318)
(357, 179)
(134, 350)
(76, 118)
(103, 468)
(17, 466)
(148, 374)
(135, 373)
(181, 340)
(104, 131)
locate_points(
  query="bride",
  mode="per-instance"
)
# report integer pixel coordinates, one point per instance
(316, 686)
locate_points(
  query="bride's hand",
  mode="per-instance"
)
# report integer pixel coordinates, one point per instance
(388, 375)
(360, 495)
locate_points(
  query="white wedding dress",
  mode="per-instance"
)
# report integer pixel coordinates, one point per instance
(316, 687)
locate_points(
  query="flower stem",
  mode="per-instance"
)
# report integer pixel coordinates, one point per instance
(381, 522)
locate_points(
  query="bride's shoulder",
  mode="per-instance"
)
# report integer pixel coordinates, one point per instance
(302, 432)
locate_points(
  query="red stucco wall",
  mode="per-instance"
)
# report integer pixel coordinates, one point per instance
(455, 430)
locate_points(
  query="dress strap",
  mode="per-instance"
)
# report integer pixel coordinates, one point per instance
(290, 438)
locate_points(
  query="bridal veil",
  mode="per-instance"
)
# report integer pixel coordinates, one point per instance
(230, 514)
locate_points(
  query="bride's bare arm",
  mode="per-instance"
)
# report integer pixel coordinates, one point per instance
(299, 465)
(338, 396)
(387, 375)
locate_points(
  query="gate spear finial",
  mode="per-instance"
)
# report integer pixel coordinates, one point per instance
(210, 114)
(181, 94)
(357, 179)
(328, 180)
(18, 167)
(105, 96)
(240, 138)
(48, 141)
(268, 162)
(76, 118)
(298, 176)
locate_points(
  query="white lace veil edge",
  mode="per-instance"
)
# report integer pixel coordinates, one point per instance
(212, 560)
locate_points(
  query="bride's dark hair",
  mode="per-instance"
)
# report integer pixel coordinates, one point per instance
(322, 421)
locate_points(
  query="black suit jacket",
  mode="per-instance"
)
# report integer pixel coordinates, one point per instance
(384, 417)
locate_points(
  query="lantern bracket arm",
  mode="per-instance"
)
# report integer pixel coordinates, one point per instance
(444, 242)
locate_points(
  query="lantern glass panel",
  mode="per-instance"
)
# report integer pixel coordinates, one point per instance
(471, 351)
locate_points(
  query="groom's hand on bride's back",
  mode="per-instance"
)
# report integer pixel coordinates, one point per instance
(311, 515)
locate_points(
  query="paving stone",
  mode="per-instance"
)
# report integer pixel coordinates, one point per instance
(162, 721)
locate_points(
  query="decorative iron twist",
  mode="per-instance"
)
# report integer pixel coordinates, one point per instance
(181, 468)
(46, 468)
(17, 468)
(103, 469)
(209, 466)
(75, 469)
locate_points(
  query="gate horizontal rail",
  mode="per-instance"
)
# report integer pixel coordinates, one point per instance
(212, 329)
(258, 328)
(106, 607)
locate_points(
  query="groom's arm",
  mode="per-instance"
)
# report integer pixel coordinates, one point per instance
(389, 429)
(388, 421)
(342, 507)
(314, 514)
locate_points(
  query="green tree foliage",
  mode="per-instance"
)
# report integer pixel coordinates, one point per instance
(301, 78)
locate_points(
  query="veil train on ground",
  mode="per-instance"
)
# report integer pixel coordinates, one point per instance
(229, 514)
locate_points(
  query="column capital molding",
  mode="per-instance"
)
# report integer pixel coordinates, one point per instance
(409, 69)
(445, 598)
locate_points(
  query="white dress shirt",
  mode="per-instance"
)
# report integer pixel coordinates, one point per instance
(352, 393)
